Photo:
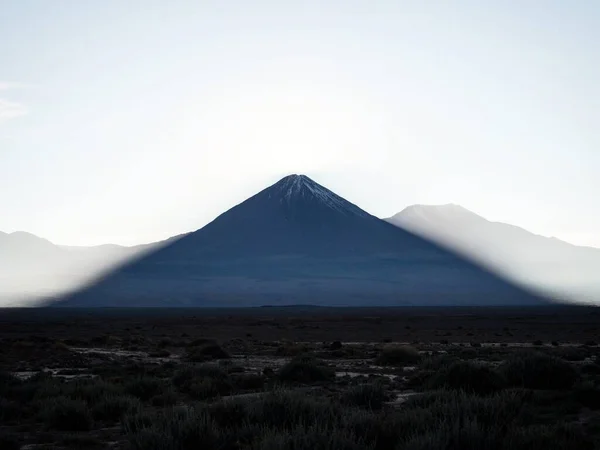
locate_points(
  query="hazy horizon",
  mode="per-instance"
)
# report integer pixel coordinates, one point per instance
(127, 124)
(433, 206)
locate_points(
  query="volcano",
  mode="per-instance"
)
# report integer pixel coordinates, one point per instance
(296, 242)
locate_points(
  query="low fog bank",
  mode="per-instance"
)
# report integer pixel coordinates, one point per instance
(547, 265)
(33, 269)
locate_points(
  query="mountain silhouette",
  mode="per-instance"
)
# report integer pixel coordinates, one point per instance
(295, 243)
(543, 263)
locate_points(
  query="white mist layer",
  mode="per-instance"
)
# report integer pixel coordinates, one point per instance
(548, 265)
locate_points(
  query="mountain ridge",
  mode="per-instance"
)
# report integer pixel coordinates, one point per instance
(295, 242)
(551, 265)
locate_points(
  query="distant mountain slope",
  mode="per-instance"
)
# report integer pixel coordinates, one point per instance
(297, 242)
(540, 262)
(32, 267)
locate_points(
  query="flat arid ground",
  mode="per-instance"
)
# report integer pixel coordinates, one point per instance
(300, 378)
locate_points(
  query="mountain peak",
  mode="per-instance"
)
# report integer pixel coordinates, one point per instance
(300, 188)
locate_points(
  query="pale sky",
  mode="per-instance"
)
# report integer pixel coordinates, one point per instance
(131, 121)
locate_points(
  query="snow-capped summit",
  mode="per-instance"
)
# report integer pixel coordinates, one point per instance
(294, 188)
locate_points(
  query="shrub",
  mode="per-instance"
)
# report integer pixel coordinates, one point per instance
(571, 353)
(368, 395)
(203, 389)
(289, 349)
(284, 409)
(80, 441)
(547, 437)
(232, 413)
(305, 370)
(114, 407)
(91, 391)
(588, 395)
(165, 342)
(438, 362)
(65, 414)
(467, 376)
(591, 368)
(9, 441)
(8, 381)
(202, 382)
(159, 354)
(176, 429)
(132, 423)
(312, 437)
(456, 420)
(468, 353)
(335, 345)
(538, 371)
(206, 352)
(398, 355)
(144, 387)
(9, 410)
(167, 398)
(202, 341)
(248, 381)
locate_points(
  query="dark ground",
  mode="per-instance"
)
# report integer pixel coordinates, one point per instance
(300, 378)
(406, 324)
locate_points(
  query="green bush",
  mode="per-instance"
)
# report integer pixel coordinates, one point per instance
(468, 376)
(538, 371)
(398, 355)
(65, 414)
(305, 369)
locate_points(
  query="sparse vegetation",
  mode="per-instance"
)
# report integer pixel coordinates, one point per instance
(144, 387)
(366, 395)
(538, 371)
(112, 408)
(65, 414)
(305, 369)
(467, 376)
(426, 396)
(398, 355)
(206, 352)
